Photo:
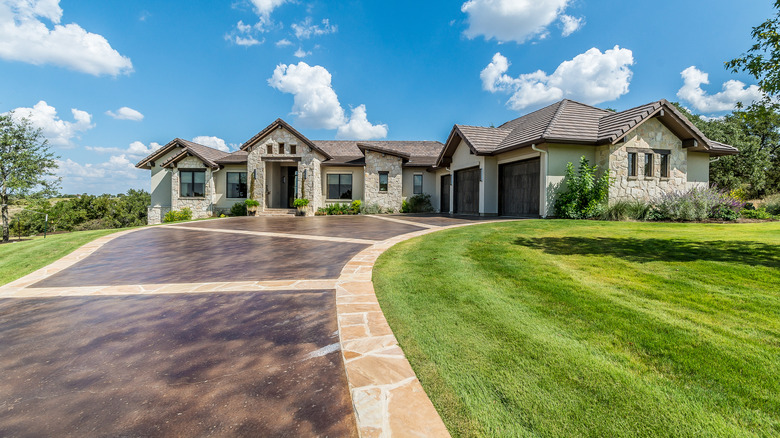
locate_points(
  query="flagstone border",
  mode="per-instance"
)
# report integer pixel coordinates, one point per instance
(387, 397)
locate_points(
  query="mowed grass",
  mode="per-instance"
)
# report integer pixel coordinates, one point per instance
(582, 328)
(18, 259)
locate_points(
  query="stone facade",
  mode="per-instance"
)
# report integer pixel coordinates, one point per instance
(201, 207)
(309, 186)
(391, 199)
(649, 136)
(155, 214)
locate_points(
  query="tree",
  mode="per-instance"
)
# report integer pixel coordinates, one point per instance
(762, 60)
(26, 164)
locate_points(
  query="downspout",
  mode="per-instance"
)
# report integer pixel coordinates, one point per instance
(543, 197)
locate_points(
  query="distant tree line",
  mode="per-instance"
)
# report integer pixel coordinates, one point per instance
(82, 212)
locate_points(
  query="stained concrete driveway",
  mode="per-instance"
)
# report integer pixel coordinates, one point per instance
(196, 329)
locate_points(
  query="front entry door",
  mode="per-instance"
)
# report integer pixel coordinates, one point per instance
(292, 185)
(444, 202)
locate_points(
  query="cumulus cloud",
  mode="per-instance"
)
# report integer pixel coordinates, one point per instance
(136, 150)
(733, 92)
(113, 176)
(305, 29)
(591, 77)
(300, 53)
(284, 42)
(511, 20)
(212, 142)
(359, 128)
(126, 113)
(248, 35)
(59, 132)
(25, 37)
(570, 24)
(315, 103)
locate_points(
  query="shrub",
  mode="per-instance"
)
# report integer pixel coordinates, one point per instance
(760, 213)
(238, 209)
(405, 207)
(586, 193)
(252, 203)
(697, 204)
(724, 212)
(355, 206)
(96, 224)
(420, 203)
(335, 210)
(371, 209)
(184, 214)
(300, 202)
(772, 204)
(627, 210)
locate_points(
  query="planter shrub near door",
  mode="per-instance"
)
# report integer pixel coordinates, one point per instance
(252, 206)
(301, 204)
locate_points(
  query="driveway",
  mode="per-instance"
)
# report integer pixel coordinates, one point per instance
(211, 328)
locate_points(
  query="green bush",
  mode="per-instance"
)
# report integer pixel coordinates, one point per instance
(238, 209)
(586, 193)
(405, 207)
(760, 213)
(252, 203)
(371, 209)
(184, 214)
(355, 206)
(420, 203)
(627, 210)
(697, 204)
(772, 204)
(335, 210)
(300, 202)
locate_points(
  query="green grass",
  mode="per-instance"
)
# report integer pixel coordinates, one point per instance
(584, 328)
(18, 259)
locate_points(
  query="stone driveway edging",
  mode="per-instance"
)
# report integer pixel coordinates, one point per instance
(388, 399)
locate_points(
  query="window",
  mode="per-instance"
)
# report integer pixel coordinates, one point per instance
(632, 164)
(665, 166)
(236, 184)
(270, 149)
(417, 186)
(193, 183)
(340, 186)
(281, 148)
(648, 164)
(383, 176)
(292, 149)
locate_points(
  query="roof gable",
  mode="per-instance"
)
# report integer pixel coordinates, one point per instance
(279, 123)
(207, 155)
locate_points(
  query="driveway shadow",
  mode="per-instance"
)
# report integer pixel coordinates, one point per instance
(652, 250)
(218, 364)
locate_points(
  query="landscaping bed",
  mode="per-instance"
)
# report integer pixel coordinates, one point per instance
(588, 328)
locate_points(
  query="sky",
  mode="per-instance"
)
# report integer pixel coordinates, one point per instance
(108, 82)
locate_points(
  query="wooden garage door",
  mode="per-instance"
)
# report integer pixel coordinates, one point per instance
(518, 188)
(444, 199)
(467, 191)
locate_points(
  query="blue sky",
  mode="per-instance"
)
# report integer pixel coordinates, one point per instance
(110, 81)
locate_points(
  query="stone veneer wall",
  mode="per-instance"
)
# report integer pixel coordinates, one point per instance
(650, 135)
(155, 214)
(393, 197)
(201, 207)
(309, 187)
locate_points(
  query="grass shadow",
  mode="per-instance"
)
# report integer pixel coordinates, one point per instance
(654, 250)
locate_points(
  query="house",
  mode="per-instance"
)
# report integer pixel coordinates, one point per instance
(514, 169)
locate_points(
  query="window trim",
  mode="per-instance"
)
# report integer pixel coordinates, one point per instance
(293, 149)
(387, 182)
(666, 168)
(227, 185)
(192, 182)
(269, 149)
(632, 164)
(351, 187)
(414, 185)
(649, 165)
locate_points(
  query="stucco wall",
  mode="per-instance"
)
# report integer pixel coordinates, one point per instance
(221, 201)
(357, 183)
(437, 181)
(161, 181)
(428, 185)
(698, 170)
(651, 134)
(375, 163)
(202, 206)
(463, 159)
(309, 174)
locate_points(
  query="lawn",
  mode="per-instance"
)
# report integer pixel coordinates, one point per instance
(584, 328)
(18, 259)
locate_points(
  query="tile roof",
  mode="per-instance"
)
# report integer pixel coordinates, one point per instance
(483, 139)
(418, 153)
(236, 157)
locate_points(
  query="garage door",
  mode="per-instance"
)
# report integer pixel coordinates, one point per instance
(467, 191)
(518, 188)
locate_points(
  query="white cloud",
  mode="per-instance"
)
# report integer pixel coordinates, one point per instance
(126, 113)
(315, 103)
(25, 37)
(247, 35)
(113, 176)
(511, 20)
(59, 132)
(733, 91)
(300, 53)
(136, 150)
(305, 29)
(359, 128)
(284, 43)
(212, 142)
(570, 24)
(591, 77)
(265, 7)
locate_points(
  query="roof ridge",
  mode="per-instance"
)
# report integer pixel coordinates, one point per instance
(589, 106)
(555, 116)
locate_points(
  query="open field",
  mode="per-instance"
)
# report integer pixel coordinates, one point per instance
(585, 328)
